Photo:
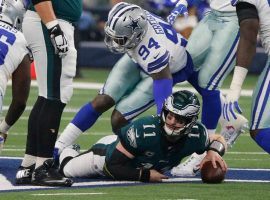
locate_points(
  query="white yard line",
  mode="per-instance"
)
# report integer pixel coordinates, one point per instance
(68, 194)
(97, 86)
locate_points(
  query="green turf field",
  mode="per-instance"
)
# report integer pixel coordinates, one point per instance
(244, 154)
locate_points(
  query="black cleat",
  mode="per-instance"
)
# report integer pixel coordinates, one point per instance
(48, 175)
(24, 174)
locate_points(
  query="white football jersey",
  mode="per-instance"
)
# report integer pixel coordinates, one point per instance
(13, 48)
(263, 8)
(160, 47)
(222, 5)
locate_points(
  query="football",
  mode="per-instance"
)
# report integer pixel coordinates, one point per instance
(209, 174)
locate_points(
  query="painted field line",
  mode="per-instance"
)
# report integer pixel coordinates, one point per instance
(8, 149)
(176, 180)
(85, 133)
(97, 86)
(69, 194)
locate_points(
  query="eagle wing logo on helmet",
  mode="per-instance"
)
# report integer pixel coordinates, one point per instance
(134, 24)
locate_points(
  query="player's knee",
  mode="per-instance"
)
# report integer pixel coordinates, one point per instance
(117, 121)
(102, 103)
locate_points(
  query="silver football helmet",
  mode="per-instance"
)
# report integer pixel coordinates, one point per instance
(125, 28)
(12, 12)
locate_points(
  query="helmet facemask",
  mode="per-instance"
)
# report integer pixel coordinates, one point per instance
(185, 107)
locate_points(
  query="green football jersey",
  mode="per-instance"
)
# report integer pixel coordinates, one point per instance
(145, 139)
(69, 10)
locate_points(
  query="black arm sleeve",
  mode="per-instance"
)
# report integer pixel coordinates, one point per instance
(246, 11)
(118, 167)
(38, 1)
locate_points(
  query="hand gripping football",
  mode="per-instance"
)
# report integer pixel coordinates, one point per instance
(209, 174)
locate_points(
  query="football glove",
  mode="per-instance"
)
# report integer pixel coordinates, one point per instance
(231, 102)
(59, 40)
(179, 10)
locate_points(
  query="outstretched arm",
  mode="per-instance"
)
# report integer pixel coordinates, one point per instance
(249, 26)
(20, 91)
(162, 87)
(215, 150)
(119, 167)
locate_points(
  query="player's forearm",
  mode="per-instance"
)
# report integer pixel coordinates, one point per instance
(15, 110)
(119, 167)
(125, 172)
(247, 43)
(45, 10)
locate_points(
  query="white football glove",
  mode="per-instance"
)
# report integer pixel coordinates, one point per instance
(59, 40)
(231, 104)
(180, 9)
(231, 101)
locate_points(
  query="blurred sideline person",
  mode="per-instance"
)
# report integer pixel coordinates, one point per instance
(253, 17)
(15, 60)
(49, 31)
(155, 60)
(149, 146)
(212, 46)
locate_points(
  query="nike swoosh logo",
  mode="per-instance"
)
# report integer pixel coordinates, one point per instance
(156, 56)
(195, 170)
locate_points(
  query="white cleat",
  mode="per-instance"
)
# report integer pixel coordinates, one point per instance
(190, 167)
(230, 130)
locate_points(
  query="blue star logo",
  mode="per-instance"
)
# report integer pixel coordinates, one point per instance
(134, 24)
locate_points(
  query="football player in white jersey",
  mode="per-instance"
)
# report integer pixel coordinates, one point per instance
(212, 46)
(254, 18)
(155, 60)
(15, 62)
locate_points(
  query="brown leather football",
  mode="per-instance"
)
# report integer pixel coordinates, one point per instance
(209, 174)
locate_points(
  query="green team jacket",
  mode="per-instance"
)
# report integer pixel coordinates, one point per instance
(69, 10)
(145, 139)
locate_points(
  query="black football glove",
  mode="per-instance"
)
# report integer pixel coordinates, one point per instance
(59, 41)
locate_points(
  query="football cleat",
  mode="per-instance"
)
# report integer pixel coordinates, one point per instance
(190, 167)
(24, 174)
(231, 130)
(48, 175)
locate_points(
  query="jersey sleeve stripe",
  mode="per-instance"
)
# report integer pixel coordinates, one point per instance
(160, 62)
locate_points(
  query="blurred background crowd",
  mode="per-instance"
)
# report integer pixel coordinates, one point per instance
(91, 24)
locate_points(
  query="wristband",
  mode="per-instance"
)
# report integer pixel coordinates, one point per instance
(144, 175)
(239, 76)
(51, 24)
(217, 146)
(4, 127)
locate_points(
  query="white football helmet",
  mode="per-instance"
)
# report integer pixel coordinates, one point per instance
(12, 12)
(125, 28)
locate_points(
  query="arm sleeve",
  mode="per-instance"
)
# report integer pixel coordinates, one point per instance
(119, 167)
(246, 11)
(162, 88)
(38, 1)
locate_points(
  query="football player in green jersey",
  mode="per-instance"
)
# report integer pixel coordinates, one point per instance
(146, 148)
(49, 32)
